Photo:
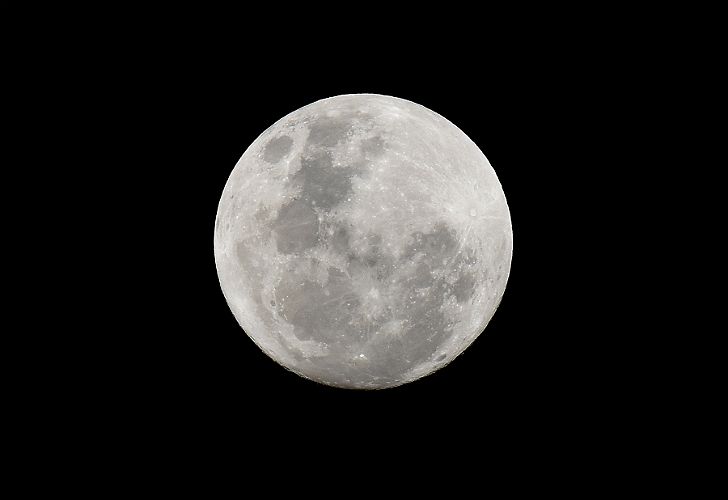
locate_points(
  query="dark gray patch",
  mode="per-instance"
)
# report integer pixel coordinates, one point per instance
(464, 287)
(421, 277)
(322, 185)
(277, 148)
(441, 357)
(316, 315)
(370, 260)
(372, 147)
(429, 328)
(463, 264)
(328, 132)
(434, 246)
(339, 241)
(296, 227)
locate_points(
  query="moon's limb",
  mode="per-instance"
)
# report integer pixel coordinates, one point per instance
(363, 241)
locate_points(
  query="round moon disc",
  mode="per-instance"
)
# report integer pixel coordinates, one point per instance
(363, 241)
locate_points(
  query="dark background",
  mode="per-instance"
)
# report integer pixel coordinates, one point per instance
(146, 114)
(151, 111)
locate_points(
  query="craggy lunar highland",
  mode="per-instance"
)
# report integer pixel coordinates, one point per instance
(363, 241)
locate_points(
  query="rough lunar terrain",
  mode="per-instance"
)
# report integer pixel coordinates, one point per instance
(363, 241)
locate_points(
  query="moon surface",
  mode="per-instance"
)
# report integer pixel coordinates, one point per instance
(363, 241)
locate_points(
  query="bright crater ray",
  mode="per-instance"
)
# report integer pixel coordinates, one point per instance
(363, 241)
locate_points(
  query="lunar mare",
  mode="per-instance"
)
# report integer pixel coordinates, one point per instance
(363, 241)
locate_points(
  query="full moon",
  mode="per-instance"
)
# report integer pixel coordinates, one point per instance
(363, 241)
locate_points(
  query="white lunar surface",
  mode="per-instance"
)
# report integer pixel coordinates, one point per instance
(363, 241)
